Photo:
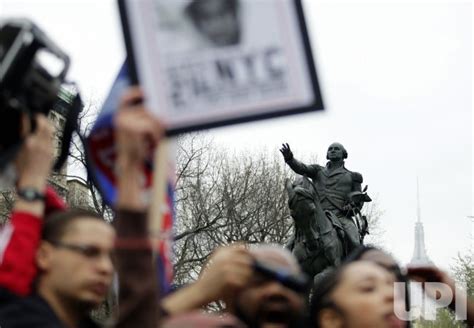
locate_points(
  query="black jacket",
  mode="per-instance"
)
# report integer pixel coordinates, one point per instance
(30, 312)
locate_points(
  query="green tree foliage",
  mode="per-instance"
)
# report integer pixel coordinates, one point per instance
(463, 271)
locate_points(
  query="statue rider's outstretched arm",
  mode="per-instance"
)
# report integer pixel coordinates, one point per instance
(309, 170)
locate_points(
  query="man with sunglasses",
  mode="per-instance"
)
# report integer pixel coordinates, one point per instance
(74, 273)
(75, 264)
(69, 254)
(20, 241)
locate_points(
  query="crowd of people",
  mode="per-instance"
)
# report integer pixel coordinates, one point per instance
(57, 264)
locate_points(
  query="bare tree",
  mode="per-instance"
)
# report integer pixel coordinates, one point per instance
(87, 196)
(223, 198)
(6, 205)
(374, 215)
(78, 161)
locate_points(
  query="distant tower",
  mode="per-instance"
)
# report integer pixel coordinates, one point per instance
(419, 255)
(420, 258)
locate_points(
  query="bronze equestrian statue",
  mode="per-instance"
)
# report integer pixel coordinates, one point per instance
(327, 212)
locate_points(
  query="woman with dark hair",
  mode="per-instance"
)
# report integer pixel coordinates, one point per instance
(378, 256)
(357, 294)
(388, 262)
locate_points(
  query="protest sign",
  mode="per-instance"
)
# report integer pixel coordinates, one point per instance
(205, 63)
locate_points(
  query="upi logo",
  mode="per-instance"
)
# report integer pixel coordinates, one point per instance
(426, 298)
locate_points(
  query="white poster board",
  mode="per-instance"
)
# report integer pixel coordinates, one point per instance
(205, 63)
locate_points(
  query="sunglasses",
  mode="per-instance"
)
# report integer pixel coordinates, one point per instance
(88, 251)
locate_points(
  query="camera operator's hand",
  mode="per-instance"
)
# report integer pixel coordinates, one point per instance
(34, 162)
(137, 131)
(228, 271)
(430, 274)
(426, 274)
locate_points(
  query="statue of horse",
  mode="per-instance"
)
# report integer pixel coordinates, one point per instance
(316, 243)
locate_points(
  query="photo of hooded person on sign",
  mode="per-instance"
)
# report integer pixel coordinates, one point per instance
(217, 21)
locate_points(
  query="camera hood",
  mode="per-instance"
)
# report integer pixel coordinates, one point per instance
(28, 85)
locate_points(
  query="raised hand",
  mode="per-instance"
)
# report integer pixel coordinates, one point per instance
(137, 131)
(286, 152)
(227, 272)
(34, 162)
(35, 159)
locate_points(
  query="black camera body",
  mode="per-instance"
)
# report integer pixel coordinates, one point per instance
(27, 84)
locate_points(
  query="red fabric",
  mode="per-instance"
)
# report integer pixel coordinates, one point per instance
(19, 240)
(53, 202)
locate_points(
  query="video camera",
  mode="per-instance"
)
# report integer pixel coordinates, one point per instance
(32, 72)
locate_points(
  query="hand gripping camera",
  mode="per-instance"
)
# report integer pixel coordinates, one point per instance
(32, 72)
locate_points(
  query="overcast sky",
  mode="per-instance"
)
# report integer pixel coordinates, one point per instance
(397, 83)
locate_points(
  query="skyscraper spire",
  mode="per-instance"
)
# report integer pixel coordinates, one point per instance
(420, 257)
(418, 211)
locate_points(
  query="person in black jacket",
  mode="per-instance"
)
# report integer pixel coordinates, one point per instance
(67, 255)
(75, 273)
(73, 249)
